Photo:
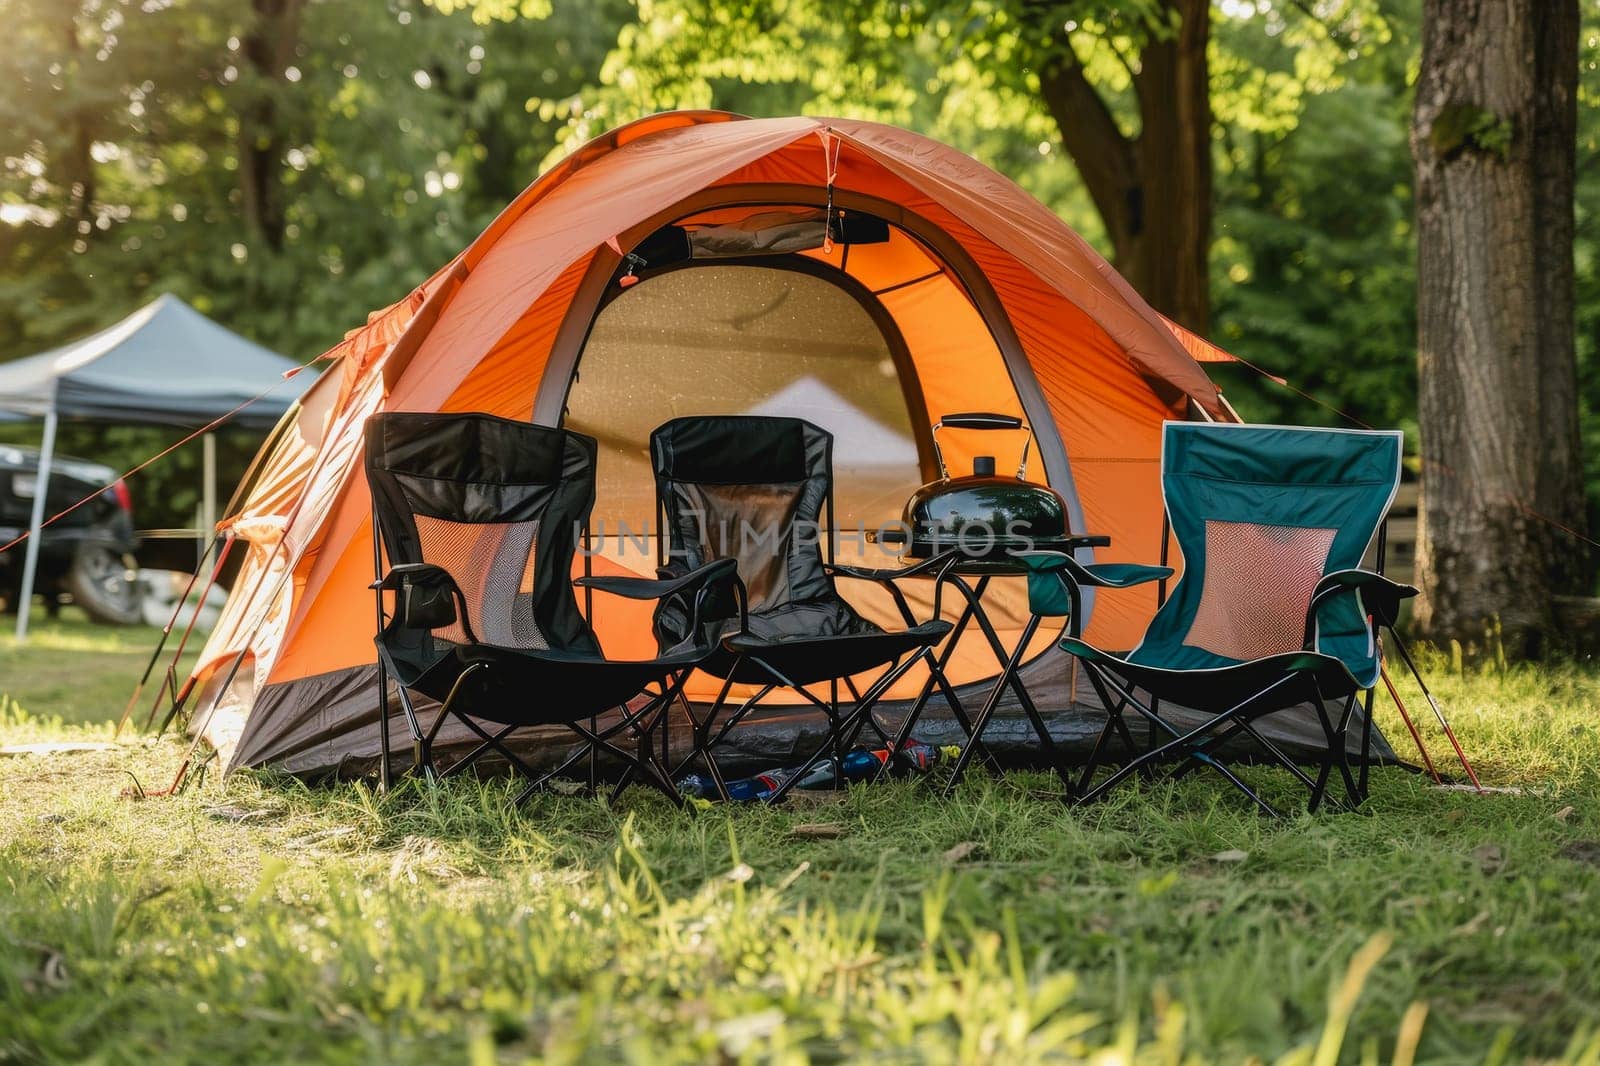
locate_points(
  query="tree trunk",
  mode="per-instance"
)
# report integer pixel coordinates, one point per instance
(1152, 190)
(1167, 259)
(1494, 317)
(79, 166)
(1560, 494)
(268, 46)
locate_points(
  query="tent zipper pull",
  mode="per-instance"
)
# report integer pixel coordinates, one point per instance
(635, 262)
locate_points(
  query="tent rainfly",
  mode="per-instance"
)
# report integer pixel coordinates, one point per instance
(164, 365)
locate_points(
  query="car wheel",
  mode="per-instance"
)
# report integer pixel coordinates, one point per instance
(102, 583)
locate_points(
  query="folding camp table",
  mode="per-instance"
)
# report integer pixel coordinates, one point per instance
(971, 578)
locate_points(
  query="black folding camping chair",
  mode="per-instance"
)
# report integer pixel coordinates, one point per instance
(759, 490)
(1272, 613)
(479, 517)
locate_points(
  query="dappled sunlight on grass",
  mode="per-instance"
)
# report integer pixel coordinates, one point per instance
(82, 673)
(262, 919)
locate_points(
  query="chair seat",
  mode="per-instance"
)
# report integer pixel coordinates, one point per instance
(807, 659)
(1219, 689)
(827, 617)
(525, 688)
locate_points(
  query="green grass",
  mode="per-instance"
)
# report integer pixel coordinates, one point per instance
(258, 920)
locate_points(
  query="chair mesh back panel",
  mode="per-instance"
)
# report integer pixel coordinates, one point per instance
(749, 488)
(754, 524)
(753, 489)
(498, 504)
(1258, 584)
(493, 563)
(1260, 514)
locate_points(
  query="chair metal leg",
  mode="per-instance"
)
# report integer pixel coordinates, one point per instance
(986, 712)
(1200, 753)
(902, 736)
(1185, 743)
(1114, 724)
(594, 767)
(709, 733)
(1266, 808)
(832, 711)
(1337, 755)
(383, 727)
(421, 762)
(491, 741)
(1354, 791)
(1366, 740)
(573, 757)
(700, 728)
(1319, 788)
(868, 700)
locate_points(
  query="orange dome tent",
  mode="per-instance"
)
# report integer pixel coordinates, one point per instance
(979, 298)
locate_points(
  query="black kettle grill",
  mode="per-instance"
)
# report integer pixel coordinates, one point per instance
(985, 514)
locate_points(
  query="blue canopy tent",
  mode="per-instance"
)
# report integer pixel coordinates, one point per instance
(164, 365)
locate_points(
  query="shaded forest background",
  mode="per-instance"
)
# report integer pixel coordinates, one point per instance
(288, 165)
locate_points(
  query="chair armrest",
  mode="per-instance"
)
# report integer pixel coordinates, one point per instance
(709, 593)
(644, 588)
(425, 597)
(935, 566)
(931, 565)
(1056, 582)
(1093, 575)
(1380, 596)
(404, 573)
(1074, 541)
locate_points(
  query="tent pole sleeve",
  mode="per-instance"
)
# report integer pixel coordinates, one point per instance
(41, 489)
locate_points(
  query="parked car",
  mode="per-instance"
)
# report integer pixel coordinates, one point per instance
(85, 558)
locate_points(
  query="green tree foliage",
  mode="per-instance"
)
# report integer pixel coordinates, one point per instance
(1117, 86)
(1312, 269)
(384, 135)
(393, 130)
(1313, 266)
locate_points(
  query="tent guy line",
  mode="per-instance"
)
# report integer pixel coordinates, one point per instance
(163, 453)
(166, 364)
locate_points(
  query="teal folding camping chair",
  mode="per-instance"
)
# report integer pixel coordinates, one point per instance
(1272, 613)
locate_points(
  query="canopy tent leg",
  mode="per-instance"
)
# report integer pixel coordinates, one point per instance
(41, 489)
(208, 493)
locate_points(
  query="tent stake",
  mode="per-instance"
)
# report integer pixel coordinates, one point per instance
(1410, 725)
(1438, 712)
(339, 424)
(268, 445)
(166, 632)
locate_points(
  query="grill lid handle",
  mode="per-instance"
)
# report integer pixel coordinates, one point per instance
(981, 420)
